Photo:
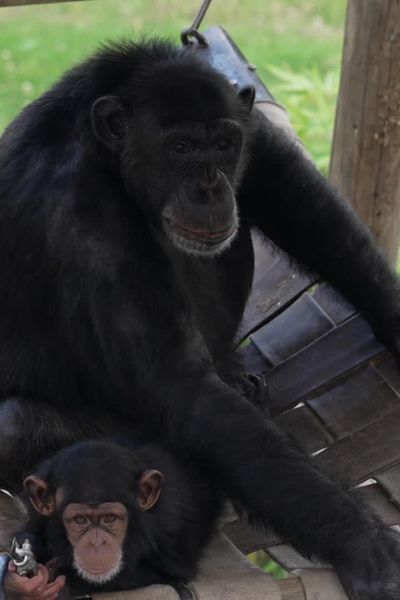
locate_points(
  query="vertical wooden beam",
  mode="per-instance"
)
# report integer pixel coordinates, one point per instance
(365, 164)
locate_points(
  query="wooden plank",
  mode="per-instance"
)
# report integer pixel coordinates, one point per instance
(272, 292)
(365, 163)
(265, 255)
(252, 359)
(249, 539)
(390, 481)
(388, 369)
(336, 353)
(322, 584)
(277, 282)
(305, 428)
(360, 400)
(367, 452)
(380, 502)
(291, 589)
(26, 2)
(333, 303)
(300, 324)
(290, 559)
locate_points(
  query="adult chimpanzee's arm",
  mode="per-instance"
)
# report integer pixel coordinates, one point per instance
(152, 349)
(285, 196)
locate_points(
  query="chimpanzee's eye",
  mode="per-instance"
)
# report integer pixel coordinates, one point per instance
(109, 519)
(79, 520)
(223, 145)
(181, 148)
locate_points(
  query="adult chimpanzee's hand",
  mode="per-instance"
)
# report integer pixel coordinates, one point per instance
(39, 587)
(372, 572)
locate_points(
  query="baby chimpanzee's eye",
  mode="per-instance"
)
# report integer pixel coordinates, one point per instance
(109, 519)
(79, 520)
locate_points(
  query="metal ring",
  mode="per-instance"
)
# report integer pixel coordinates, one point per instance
(190, 34)
(192, 31)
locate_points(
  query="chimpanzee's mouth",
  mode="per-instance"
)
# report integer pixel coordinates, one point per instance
(98, 576)
(200, 240)
(203, 234)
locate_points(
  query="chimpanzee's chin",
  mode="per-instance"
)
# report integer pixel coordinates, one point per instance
(98, 577)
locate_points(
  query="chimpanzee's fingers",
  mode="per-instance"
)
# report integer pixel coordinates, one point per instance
(19, 587)
(56, 585)
(52, 567)
(33, 586)
(53, 589)
(44, 574)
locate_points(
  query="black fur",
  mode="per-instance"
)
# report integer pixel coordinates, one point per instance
(99, 311)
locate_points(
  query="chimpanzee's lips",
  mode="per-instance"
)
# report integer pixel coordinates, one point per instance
(202, 234)
(96, 570)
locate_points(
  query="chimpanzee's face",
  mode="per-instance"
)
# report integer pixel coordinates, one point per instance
(181, 155)
(194, 192)
(97, 535)
(94, 499)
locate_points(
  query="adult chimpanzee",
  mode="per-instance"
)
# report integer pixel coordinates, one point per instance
(127, 194)
(114, 516)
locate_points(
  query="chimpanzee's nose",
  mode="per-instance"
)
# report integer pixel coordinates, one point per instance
(97, 538)
(210, 178)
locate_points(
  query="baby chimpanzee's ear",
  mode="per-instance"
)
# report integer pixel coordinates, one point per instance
(150, 484)
(37, 489)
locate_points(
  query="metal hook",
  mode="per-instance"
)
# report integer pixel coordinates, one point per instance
(188, 35)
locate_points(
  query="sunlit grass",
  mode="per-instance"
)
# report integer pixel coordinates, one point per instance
(284, 38)
(310, 97)
(262, 560)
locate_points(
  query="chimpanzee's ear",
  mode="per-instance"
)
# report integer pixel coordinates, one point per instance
(37, 488)
(107, 117)
(247, 95)
(150, 488)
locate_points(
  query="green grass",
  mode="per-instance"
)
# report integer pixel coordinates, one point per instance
(261, 560)
(284, 38)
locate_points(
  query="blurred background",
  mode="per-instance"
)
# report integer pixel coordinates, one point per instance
(296, 45)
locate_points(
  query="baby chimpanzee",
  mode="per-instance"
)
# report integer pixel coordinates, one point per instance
(116, 516)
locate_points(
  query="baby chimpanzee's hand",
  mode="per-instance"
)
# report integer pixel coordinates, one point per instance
(40, 587)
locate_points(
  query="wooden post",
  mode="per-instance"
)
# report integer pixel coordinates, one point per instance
(365, 163)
